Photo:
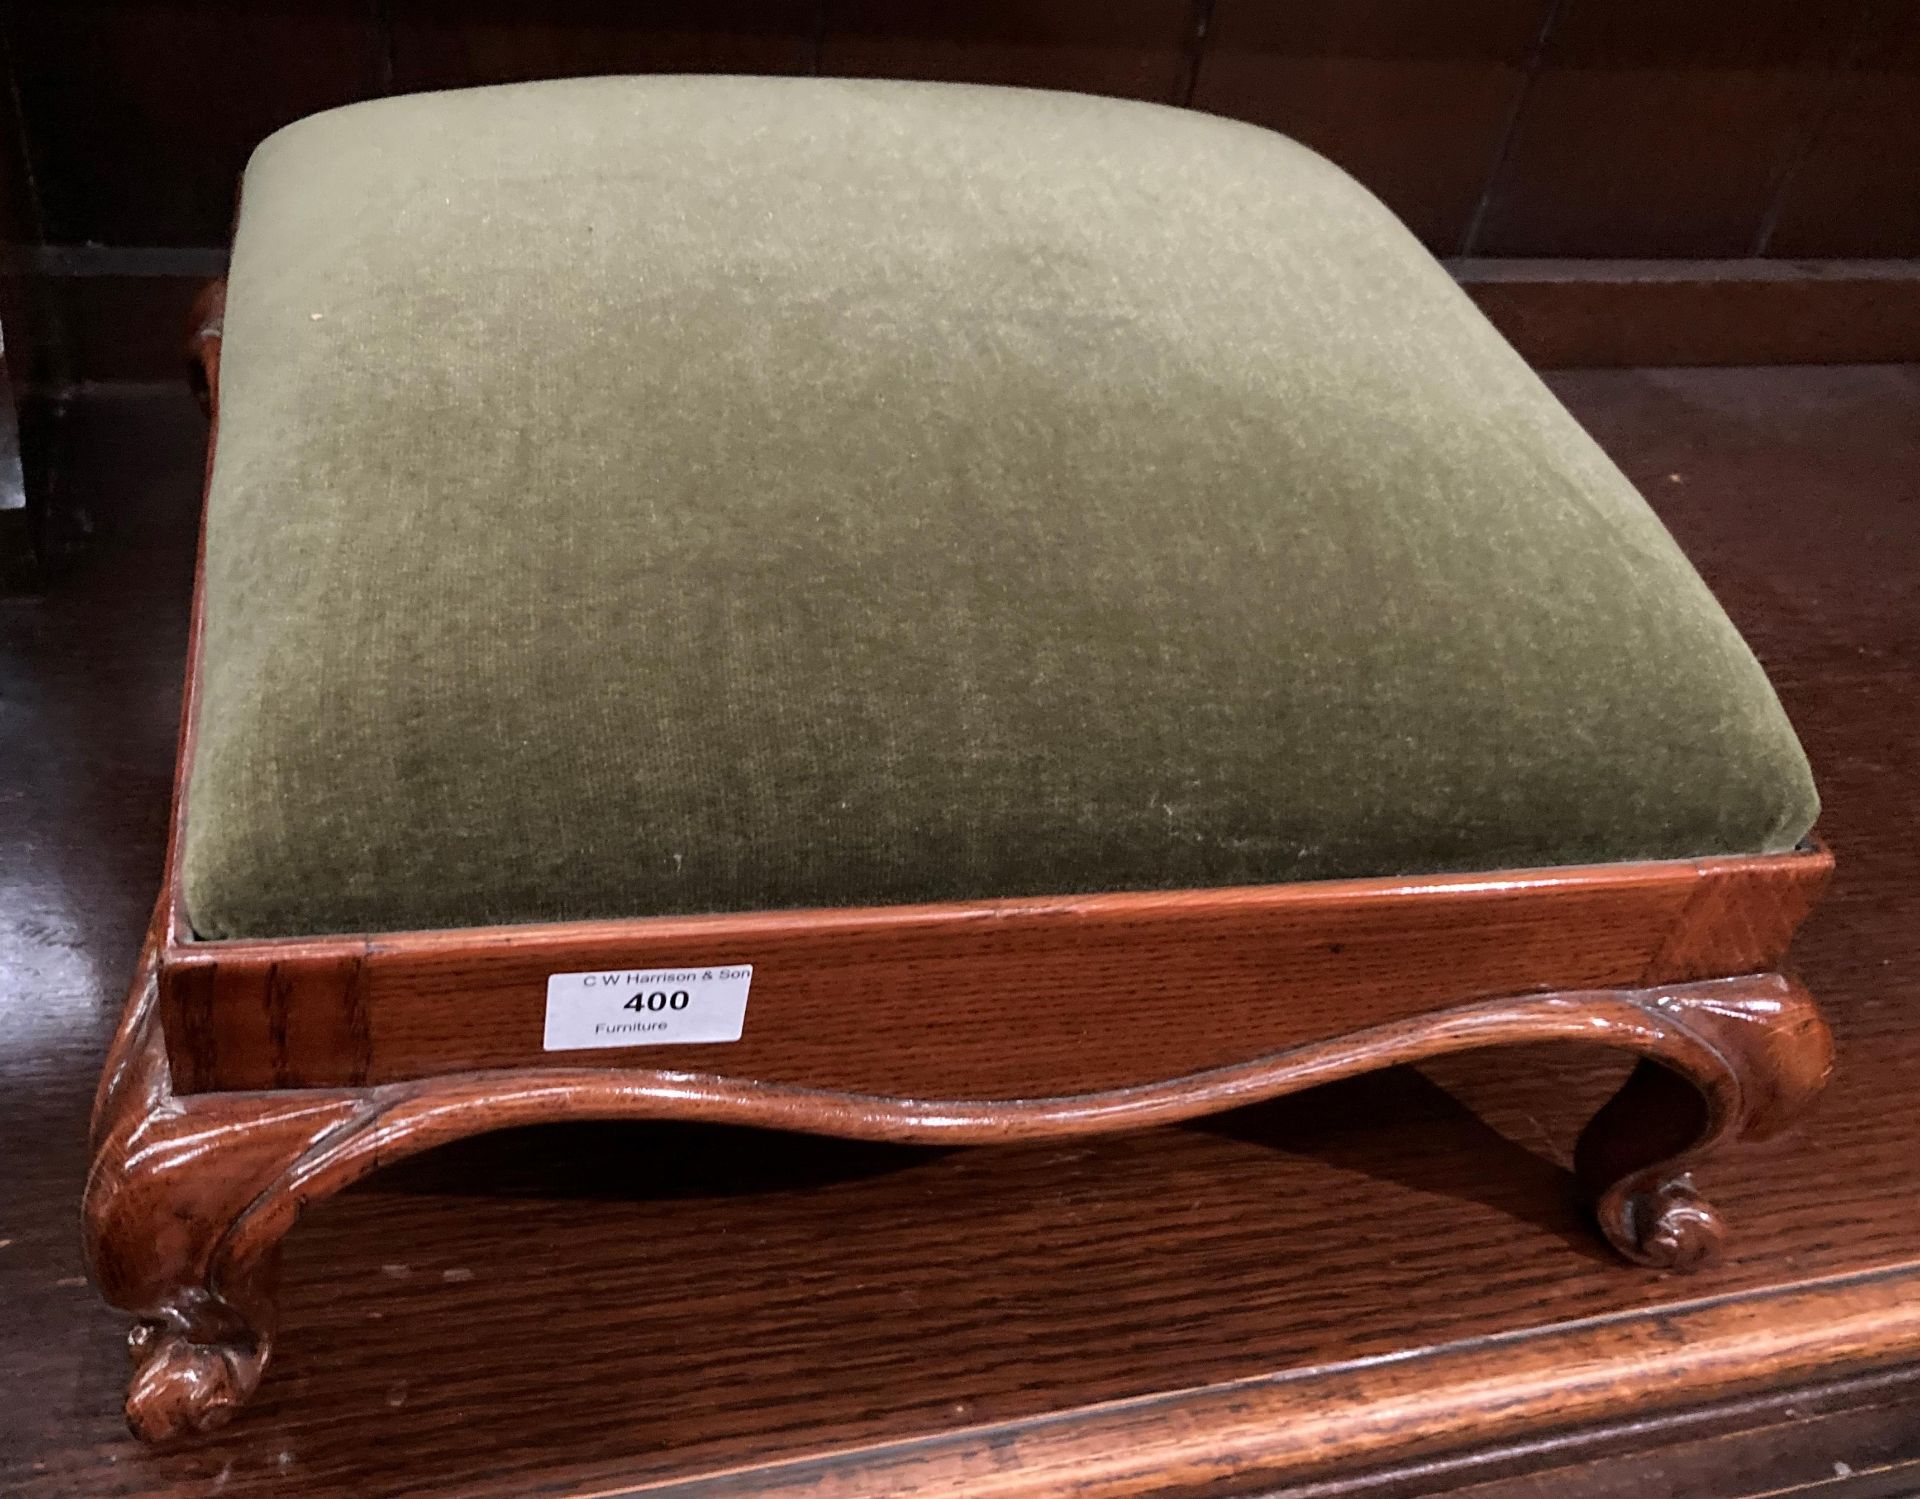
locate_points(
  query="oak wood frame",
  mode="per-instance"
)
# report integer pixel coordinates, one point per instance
(251, 1078)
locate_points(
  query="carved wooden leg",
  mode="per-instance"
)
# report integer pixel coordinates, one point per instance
(162, 1201)
(196, 1361)
(170, 1180)
(190, 1196)
(1738, 1058)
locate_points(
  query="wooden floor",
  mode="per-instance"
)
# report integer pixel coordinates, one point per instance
(597, 1308)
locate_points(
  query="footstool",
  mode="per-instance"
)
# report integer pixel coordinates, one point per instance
(909, 612)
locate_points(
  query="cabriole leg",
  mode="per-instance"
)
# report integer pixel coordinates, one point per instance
(171, 1178)
(1748, 1056)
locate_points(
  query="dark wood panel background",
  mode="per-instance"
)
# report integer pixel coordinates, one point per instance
(1580, 128)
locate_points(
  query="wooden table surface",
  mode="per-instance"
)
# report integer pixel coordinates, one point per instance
(608, 1307)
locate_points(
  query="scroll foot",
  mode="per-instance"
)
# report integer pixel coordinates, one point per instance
(181, 1386)
(1738, 1059)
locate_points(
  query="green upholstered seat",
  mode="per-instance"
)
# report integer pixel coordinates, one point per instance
(684, 494)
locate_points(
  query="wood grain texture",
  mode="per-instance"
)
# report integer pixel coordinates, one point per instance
(1850, 1438)
(1101, 991)
(650, 1304)
(189, 1197)
(1261, 1432)
(1567, 314)
(1411, 96)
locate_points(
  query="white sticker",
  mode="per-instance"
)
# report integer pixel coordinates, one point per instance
(646, 1007)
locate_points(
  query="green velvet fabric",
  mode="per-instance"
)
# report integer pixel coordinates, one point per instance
(688, 494)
